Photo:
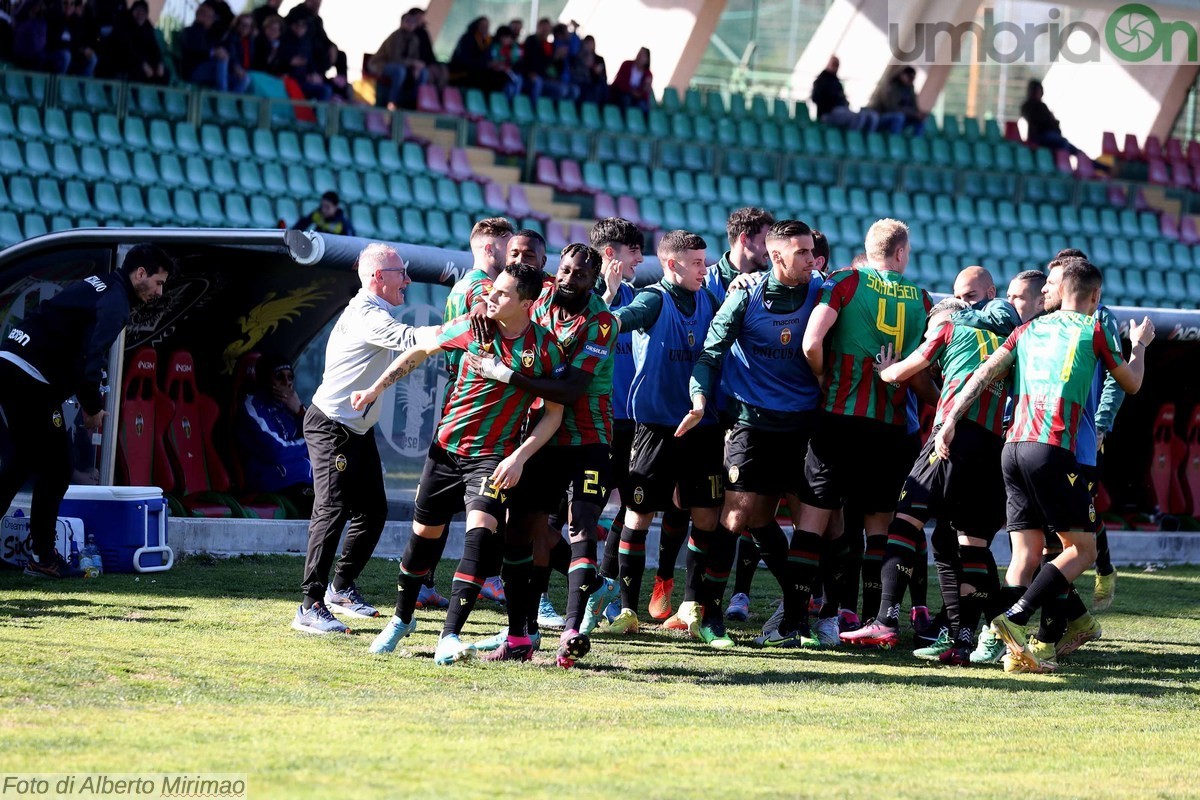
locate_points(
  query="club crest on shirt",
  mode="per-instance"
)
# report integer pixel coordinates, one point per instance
(1091, 512)
(691, 339)
(339, 462)
(57, 418)
(639, 495)
(527, 359)
(785, 336)
(734, 473)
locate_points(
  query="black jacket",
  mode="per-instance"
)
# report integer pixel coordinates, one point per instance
(68, 337)
(827, 93)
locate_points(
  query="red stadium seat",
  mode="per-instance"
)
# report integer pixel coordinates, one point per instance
(460, 165)
(1188, 232)
(1175, 151)
(1154, 148)
(452, 102)
(571, 177)
(627, 207)
(486, 134)
(494, 197)
(1108, 144)
(1062, 161)
(556, 235)
(547, 172)
(427, 99)
(1157, 173)
(1181, 175)
(1085, 169)
(1191, 464)
(437, 160)
(605, 206)
(578, 232)
(1117, 196)
(519, 205)
(1131, 151)
(510, 139)
(145, 415)
(1012, 131)
(1193, 155)
(1169, 225)
(1168, 455)
(201, 477)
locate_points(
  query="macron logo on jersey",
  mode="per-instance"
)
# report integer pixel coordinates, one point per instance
(596, 350)
(96, 283)
(19, 336)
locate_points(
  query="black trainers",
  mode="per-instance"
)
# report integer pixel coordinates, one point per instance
(54, 567)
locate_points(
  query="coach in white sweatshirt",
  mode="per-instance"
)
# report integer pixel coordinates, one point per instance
(347, 471)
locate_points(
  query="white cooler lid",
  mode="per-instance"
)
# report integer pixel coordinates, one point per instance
(114, 493)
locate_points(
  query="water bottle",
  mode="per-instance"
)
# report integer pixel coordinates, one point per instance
(74, 558)
(89, 559)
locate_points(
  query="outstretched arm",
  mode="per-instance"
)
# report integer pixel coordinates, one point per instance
(409, 360)
(990, 371)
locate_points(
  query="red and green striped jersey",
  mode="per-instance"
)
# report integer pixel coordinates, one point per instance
(875, 307)
(959, 350)
(588, 339)
(483, 416)
(1056, 358)
(468, 290)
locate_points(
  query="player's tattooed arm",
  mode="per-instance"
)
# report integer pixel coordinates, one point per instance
(990, 371)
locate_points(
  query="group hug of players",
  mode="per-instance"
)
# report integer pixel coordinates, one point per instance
(727, 393)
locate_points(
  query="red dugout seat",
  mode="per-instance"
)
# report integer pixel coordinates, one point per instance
(1168, 455)
(146, 414)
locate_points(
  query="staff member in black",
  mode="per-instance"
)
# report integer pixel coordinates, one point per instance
(59, 351)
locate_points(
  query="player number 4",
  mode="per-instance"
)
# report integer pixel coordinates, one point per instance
(896, 331)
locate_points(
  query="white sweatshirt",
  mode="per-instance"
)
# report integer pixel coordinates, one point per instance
(365, 340)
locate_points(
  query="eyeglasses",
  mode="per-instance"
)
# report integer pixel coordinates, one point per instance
(394, 269)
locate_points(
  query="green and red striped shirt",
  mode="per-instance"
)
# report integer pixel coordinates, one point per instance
(587, 339)
(483, 416)
(1056, 358)
(468, 290)
(875, 307)
(959, 350)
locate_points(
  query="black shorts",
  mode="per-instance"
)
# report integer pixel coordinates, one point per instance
(622, 443)
(580, 474)
(967, 491)
(449, 482)
(659, 464)
(857, 460)
(768, 462)
(1046, 489)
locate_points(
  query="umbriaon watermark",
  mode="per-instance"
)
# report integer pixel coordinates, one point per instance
(1039, 35)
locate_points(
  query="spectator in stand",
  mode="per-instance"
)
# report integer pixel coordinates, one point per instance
(205, 61)
(138, 45)
(471, 65)
(517, 27)
(71, 32)
(325, 55)
(268, 50)
(1044, 129)
(832, 106)
(225, 17)
(589, 73)
(32, 40)
(396, 61)
(265, 12)
(240, 44)
(107, 18)
(563, 32)
(6, 30)
(435, 71)
(536, 54)
(634, 83)
(270, 435)
(328, 218)
(505, 56)
(556, 82)
(298, 61)
(897, 105)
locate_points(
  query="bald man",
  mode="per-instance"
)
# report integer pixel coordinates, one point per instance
(974, 285)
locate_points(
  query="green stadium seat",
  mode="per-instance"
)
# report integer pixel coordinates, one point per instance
(475, 103)
(299, 182)
(956, 241)
(705, 186)
(1135, 287)
(546, 113)
(363, 221)
(1156, 288)
(635, 122)
(323, 179)
(108, 131)
(1128, 223)
(472, 203)
(413, 157)
(212, 144)
(60, 223)
(37, 159)
(697, 158)
(34, 225)
(1122, 253)
(119, 168)
(658, 125)
(262, 215)
(814, 198)
(196, 171)
(589, 117)
(158, 204)
(364, 154)
(1181, 257)
(612, 120)
(106, 201)
(593, 176)
(1089, 221)
(447, 193)
(236, 212)
(727, 132)
(182, 205)
(674, 217)
(1048, 218)
(1148, 225)
(769, 137)
(438, 228)
(1099, 250)
(29, 122)
(950, 127)
(998, 244)
(77, 200)
(670, 100)
(727, 190)
(274, 179)
(286, 210)
(849, 229)
(1068, 220)
(56, 125)
(634, 151)
(287, 144)
(705, 129)
(145, 171)
(412, 227)
(614, 180)
(390, 159)
(49, 198)
(568, 115)
(693, 103)
(695, 217)
(943, 209)
(749, 192)
(902, 206)
(681, 128)
(339, 152)
(1192, 282)
(1027, 216)
(249, 178)
(25, 87)
(349, 187)
(522, 111)
(662, 184)
(772, 194)
(923, 208)
(132, 203)
(424, 194)
(964, 210)
(836, 200)
(375, 189)
(160, 138)
(651, 212)
(82, 128)
(263, 145)
(499, 110)
(1176, 290)
(211, 213)
(314, 149)
(899, 149)
(66, 164)
(1161, 256)
(223, 177)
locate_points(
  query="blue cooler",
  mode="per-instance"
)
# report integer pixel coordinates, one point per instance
(129, 524)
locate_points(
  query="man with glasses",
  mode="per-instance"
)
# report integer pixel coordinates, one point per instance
(347, 472)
